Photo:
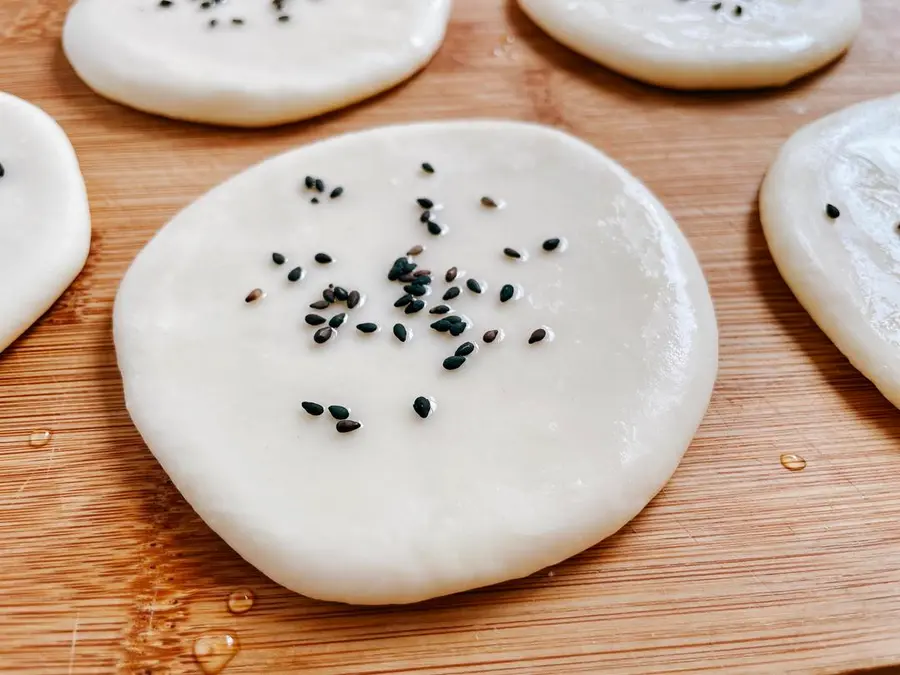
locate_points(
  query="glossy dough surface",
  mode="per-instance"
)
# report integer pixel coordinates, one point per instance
(687, 44)
(45, 226)
(534, 451)
(845, 271)
(251, 68)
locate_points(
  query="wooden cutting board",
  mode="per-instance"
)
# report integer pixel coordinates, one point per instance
(738, 565)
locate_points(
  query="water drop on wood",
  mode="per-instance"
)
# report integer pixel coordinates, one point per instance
(241, 601)
(213, 652)
(793, 462)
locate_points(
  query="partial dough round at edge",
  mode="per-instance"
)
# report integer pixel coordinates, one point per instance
(836, 266)
(123, 69)
(47, 220)
(604, 40)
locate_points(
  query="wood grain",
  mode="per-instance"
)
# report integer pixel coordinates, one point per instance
(738, 566)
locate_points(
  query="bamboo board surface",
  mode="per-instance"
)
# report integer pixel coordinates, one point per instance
(737, 566)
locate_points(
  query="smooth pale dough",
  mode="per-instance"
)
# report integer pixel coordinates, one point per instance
(170, 61)
(844, 271)
(45, 225)
(534, 452)
(686, 44)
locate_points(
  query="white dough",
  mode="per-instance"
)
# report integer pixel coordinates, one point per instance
(45, 225)
(534, 452)
(171, 61)
(844, 271)
(687, 44)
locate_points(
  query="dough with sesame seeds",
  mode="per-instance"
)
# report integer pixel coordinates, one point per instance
(703, 44)
(443, 450)
(249, 63)
(45, 225)
(830, 209)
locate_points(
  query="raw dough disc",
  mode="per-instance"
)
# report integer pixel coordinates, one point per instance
(845, 271)
(262, 71)
(533, 452)
(45, 225)
(688, 44)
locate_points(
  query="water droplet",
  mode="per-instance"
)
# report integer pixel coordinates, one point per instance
(241, 601)
(214, 652)
(39, 439)
(793, 462)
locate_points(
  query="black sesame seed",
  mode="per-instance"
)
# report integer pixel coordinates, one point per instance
(473, 285)
(490, 336)
(512, 253)
(422, 406)
(454, 362)
(346, 426)
(451, 293)
(441, 326)
(2, 171)
(319, 185)
(367, 327)
(537, 336)
(237, 21)
(310, 182)
(832, 211)
(415, 250)
(425, 203)
(165, 3)
(738, 10)
(415, 306)
(295, 274)
(464, 349)
(312, 408)
(716, 6)
(488, 202)
(337, 320)
(284, 18)
(323, 335)
(205, 5)
(353, 299)
(337, 192)
(407, 278)
(323, 258)
(440, 309)
(315, 319)
(278, 259)
(507, 292)
(427, 168)
(434, 228)
(400, 332)
(339, 412)
(457, 329)
(254, 295)
(550, 244)
(423, 273)
(213, 23)
(320, 304)
(341, 293)
(314, 200)
(328, 295)
(425, 217)
(451, 274)
(416, 289)
(456, 318)
(403, 300)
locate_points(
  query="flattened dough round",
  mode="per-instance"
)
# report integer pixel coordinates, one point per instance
(45, 224)
(262, 71)
(845, 271)
(534, 451)
(688, 44)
